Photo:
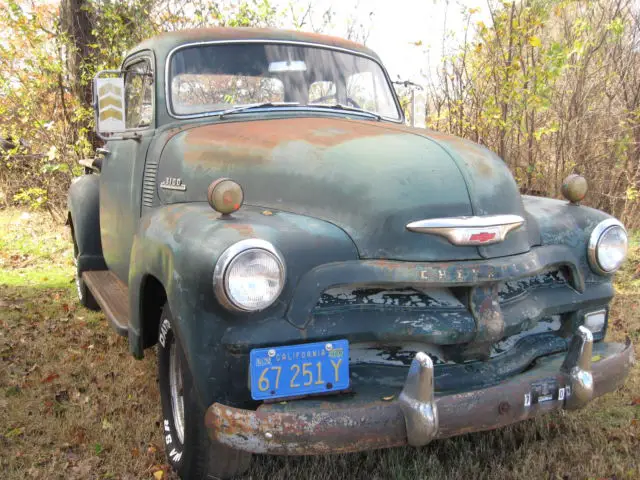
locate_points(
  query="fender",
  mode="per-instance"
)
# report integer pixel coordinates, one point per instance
(179, 245)
(83, 204)
(561, 223)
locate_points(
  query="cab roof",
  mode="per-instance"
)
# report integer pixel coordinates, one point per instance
(164, 43)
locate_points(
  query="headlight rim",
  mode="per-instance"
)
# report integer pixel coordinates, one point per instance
(594, 239)
(220, 281)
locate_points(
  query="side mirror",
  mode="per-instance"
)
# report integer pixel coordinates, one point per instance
(109, 104)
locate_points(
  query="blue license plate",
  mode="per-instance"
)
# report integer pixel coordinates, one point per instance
(295, 370)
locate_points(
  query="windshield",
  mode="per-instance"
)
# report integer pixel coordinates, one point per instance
(211, 78)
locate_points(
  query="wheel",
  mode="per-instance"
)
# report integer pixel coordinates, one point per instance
(189, 450)
(84, 294)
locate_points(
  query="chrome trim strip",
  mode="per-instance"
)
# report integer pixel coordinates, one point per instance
(594, 239)
(465, 222)
(219, 273)
(167, 92)
(451, 228)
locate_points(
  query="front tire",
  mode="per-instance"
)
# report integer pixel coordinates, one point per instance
(189, 450)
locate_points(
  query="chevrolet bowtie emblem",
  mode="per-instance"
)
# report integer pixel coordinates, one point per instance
(484, 230)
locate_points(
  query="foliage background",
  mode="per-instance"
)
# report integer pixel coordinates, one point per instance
(553, 86)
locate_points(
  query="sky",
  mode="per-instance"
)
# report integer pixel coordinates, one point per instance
(396, 25)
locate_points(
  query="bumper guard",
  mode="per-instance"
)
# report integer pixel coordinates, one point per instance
(419, 415)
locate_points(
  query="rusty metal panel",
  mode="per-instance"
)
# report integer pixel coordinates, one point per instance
(339, 427)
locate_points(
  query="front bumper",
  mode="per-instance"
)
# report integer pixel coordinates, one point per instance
(417, 415)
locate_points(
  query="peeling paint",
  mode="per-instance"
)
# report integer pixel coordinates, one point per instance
(408, 297)
(551, 324)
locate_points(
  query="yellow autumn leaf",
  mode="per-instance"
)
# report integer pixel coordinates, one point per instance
(535, 41)
(158, 475)
(595, 358)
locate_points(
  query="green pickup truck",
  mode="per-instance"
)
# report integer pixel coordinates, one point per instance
(317, 277)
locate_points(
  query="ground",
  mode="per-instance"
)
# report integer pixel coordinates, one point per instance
(74, 404)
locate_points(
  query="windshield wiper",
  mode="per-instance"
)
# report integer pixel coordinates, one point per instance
(347, 108)
(251, 106)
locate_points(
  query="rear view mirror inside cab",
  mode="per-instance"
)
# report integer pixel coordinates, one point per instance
(288, 66)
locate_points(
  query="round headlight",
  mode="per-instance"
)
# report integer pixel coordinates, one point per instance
(608, 246)
(249, 275)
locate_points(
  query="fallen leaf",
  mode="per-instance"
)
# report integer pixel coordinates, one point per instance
(106, 425)
(151, 450)
(50, 378)
(596, 358)
(158, 474)
(635, 401)
(389, 398)
(14, 432)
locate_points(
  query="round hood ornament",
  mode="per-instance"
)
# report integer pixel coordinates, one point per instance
(574, 188)
(225, 196)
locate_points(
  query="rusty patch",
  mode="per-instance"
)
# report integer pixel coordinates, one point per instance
(296, 429)
(226, 33)
(244, 229)
(267, 134)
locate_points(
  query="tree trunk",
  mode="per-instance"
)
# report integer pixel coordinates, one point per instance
(76, 24)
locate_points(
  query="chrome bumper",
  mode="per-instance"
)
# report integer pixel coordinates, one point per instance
(418, 415)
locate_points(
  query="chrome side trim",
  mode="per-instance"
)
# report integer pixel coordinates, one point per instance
(167, 91)
(594, 239)
(462, 230)
(219, 272)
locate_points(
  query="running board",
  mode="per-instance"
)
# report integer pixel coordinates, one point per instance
(113, 297)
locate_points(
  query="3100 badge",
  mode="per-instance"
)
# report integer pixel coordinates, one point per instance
(295, 370)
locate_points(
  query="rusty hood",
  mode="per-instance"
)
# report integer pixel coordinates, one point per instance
(368, 178)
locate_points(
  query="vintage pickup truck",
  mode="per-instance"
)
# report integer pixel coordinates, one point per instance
(316, 276)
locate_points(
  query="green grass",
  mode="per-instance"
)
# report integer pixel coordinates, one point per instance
(75, 405)
(34, 251)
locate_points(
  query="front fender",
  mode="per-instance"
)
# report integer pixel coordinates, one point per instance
(83, 203)
(179, 245)
(561, 223)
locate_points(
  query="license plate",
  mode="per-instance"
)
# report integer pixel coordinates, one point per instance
(295, 370)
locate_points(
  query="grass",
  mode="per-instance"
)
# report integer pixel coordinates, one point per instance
(75, 405)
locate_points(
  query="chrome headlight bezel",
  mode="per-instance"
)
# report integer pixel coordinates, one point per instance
(597, 235)
(220, 272)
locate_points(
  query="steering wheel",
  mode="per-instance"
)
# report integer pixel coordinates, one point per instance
(350, 101)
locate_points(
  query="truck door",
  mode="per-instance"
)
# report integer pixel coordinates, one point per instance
(123, 166)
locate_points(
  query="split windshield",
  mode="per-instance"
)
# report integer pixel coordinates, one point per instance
(211, 78)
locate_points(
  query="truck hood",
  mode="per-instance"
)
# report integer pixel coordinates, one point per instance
(369, 178)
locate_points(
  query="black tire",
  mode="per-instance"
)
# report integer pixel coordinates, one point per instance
(85, 297)
(196, 456)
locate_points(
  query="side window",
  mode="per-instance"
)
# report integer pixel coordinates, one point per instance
(322, 92)
(361, 89)
(138, 91)
(369, 91)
